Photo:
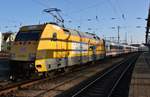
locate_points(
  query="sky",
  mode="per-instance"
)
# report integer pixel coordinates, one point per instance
(101, 17)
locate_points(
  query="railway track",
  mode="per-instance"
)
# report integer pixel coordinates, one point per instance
(43, 86)
(8, 90)
(113, 82)
(5, 90)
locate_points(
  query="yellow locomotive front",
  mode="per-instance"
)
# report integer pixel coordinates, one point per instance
(23, 51)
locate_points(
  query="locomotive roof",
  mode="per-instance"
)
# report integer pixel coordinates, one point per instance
(83, 34)
(72, 31)
(116, 44)
(79, 33)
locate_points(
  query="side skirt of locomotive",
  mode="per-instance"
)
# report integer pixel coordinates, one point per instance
(26, 70)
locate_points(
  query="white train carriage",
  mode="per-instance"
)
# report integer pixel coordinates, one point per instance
(134, 49)
(113, 48)
(126, 49)
(129, 49)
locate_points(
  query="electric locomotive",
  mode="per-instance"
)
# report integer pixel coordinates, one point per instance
(45, 48)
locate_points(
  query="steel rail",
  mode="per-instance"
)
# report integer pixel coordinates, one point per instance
(122, 67)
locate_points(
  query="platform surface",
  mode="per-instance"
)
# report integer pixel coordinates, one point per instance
(140, 83)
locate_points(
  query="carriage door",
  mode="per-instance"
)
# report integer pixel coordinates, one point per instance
(93, 48)
(57, 54)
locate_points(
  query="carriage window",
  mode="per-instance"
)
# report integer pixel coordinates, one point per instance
(113, 47)
(93, 47)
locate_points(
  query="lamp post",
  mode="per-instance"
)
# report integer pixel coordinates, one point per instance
(118, 31)
(118, 28)
(126, 37)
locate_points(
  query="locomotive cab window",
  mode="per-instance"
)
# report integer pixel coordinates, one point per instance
(28, 36)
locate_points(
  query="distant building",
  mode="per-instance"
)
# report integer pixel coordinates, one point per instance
(5, 41)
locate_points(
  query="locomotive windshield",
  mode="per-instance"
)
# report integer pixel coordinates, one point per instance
(28, 36)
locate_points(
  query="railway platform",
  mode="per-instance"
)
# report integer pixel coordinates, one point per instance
(140, 83)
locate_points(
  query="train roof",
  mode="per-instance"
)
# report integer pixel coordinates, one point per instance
(72, 31)
(116, 44)
(83, 34)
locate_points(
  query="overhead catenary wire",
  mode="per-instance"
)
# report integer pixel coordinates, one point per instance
(80, 11)
(120, 9)
(113, 7)
(40, 3)
(96, 18)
